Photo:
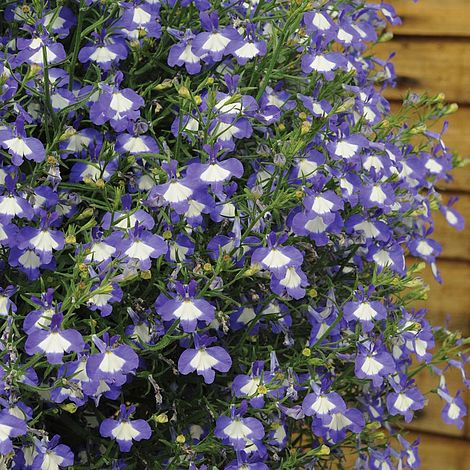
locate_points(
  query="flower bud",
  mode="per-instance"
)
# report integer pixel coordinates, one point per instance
(184, 92)
(164, 85)
(451, 109)
(162, 418)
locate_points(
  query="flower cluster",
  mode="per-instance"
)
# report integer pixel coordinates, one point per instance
(205, 208)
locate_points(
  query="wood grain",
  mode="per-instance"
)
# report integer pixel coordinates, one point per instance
(432, 65)
(433, 17)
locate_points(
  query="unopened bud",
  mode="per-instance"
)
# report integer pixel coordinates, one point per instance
(162, 418)
(387, 36)
(69, 132)
(146, 274)
(418, 129)
(87, 213)
(69, 407)
(184, 92)
(324, 450)
(305, 127)
(180, 439)
(306, 352)
(451, 109)
(164, 85)
(312, 293)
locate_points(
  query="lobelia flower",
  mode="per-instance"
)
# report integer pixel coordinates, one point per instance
(136, 144)
(113, 362)
(404, 401)
(124, 430)
(92, 170)
(373, 362)
(251, 386)
(322, 63)
(141, 20)
(321, 403)
(454, 409)
(10, 427)
(118, 106)
(409, 453)
(181, 53)
(54, 342)
(319, 22)
(75, 381)
(43, 240)
(102, 249)
(180, 250)
(177, 192)
(276, 258)
(335, 425)
(204, 359)
(101, 301)
(451, 215)
(216, 172)
(248, 48)
(225, 128)
(425, 248)
(106, 51)
(347, 147)
(236, 430)
(29, 262)
(128, 219)
(364, 310)
(142, 245)
(60, 22)
(187, 308)
(80, 142)
(7, 306)
(292, 283)
(212, 45)
(19, 145)
(51, 455)
(41, 317)
(35, 50)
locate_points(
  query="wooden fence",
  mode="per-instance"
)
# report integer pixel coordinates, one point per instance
(433, 55)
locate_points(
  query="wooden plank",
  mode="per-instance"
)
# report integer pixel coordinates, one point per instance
(457, 138)
(432, 65)
(442, 453)
(455, 245)
(433, 17)
(451, 299)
